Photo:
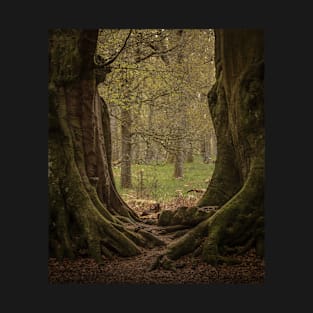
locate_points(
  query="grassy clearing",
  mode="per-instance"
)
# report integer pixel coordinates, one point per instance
(156, 182)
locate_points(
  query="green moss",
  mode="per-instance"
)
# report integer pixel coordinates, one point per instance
(188, 216)
(225, 181)
(165, 217)
(210, 252)
(65, 60)
(189, 242)
(76, 210)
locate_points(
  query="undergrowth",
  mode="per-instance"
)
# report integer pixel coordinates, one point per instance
(156, 182)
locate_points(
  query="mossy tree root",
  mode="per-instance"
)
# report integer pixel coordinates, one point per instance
(184, 216)
(79, 221)
(80, 224)
(237, 225)
(189, 242)
(87, 216)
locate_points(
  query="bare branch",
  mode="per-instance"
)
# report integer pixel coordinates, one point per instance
(124, 45)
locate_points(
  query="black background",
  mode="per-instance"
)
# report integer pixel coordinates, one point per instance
(24, 110)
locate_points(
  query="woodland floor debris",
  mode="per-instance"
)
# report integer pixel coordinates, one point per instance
(137, 270)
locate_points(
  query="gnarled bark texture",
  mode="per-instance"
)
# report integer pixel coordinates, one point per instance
(86, 212)
(237, 187)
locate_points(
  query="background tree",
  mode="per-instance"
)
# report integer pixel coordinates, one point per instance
(168, 72)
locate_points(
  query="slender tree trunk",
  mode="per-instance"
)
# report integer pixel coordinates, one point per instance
(126, 176)
(180, 147)
(149, 146)
(180, 144)
(212, 144)
(149, 154)
(115, 133)
(206, 148)
(189, 153)
(179, 161)
(135, 151)
(179, 150)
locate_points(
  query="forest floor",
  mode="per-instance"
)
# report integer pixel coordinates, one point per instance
(137, 270)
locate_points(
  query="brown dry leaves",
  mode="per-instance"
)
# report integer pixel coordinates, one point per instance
(135, 271)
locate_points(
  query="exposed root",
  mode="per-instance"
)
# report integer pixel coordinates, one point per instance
(179, 233)
(156, 263)
(106, 252)
(149, 221)
(174, 228)
(189, 242)
(152, 240)
(162, 261)
(125, 219)
(235, 227)
(245, 248)
(188, 216)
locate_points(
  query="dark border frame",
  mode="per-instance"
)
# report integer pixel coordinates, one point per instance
(26, 251)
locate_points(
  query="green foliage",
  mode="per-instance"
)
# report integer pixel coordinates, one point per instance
(163, 77)
(159, 184)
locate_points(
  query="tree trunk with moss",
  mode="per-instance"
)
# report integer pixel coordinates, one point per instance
(87, 216)
(237, 187)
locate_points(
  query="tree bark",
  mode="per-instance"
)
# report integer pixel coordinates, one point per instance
(181, 127)
(212, 140)
(237, 187)
(87, 216)
(179, 156)
(126, 176)
(149, 153)
(189, 153)
(115, 133)
(205, 148)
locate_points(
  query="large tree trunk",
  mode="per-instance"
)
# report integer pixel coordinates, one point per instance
(237, 186)
(86, 212)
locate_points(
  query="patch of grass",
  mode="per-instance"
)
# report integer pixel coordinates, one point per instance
(156, 182)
